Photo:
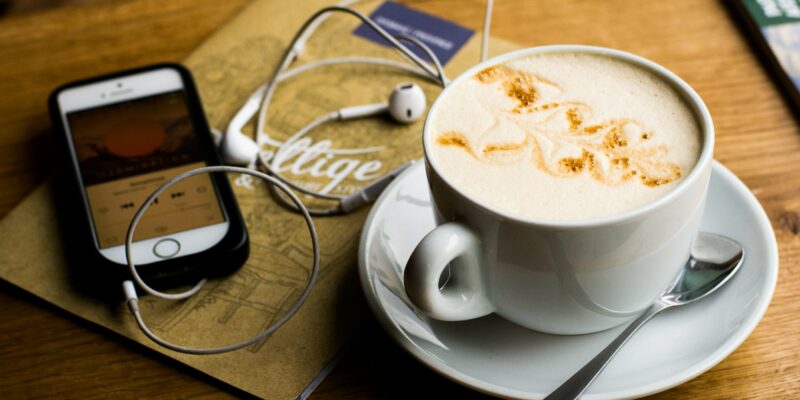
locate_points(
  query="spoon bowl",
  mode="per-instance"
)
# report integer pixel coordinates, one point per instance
(713, 261)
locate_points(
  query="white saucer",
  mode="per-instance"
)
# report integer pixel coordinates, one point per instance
(497, 357)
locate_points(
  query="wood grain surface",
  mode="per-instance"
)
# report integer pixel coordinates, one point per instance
(45, 353)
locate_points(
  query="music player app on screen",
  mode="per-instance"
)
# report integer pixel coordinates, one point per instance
(125, 151)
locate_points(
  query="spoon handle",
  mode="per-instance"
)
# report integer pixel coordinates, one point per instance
(578, 382)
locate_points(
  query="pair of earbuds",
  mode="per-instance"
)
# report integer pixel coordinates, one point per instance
(406, 104)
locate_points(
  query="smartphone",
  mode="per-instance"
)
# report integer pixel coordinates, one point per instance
(122, 136)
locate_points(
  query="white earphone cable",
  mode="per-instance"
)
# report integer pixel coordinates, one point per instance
(271, 165)
(130, 291)
(300, 44)
(268, 90)
(345, 203)
(287, 58)
(443, 81)
(236, 124)
(487, 24)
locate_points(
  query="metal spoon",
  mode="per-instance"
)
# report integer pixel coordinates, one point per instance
(713, 261)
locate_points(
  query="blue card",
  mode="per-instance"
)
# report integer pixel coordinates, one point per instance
(443, 37)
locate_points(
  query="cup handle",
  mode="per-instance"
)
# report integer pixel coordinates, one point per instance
(464, 297)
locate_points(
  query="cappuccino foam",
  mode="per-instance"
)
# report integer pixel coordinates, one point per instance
(564, 136)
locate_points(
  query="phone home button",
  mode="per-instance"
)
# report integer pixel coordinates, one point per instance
(166, 248)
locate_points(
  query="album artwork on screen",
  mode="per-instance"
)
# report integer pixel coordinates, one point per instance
(126, 150)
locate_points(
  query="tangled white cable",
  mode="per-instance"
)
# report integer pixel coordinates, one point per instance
(237, 148)
(130, 291)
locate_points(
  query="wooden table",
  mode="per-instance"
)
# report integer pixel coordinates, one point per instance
(44, 352)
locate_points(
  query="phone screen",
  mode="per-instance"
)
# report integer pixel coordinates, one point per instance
(125, 151)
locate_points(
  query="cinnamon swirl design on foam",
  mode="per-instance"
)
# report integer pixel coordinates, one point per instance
(565, 136)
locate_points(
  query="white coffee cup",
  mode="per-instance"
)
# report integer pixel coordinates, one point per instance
(561, 277)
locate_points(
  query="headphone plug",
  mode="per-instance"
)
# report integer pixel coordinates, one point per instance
(131, 299)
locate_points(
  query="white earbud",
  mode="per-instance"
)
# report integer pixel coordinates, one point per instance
(236, 147)
(406, 104)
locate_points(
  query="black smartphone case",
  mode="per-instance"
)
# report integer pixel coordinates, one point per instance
(75, 222)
